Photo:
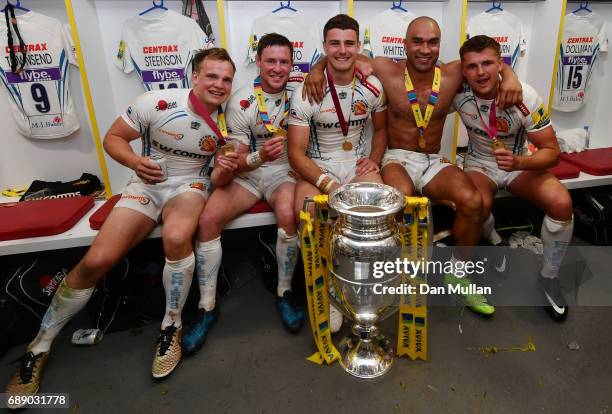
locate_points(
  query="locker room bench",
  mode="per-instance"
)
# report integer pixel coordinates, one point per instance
(81, 233)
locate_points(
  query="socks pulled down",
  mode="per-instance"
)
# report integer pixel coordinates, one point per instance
(66, 303)
(556, 235)
(177, 278)
(286, 257)
(208, 260)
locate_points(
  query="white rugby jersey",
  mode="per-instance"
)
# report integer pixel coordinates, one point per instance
(513, 124)
(40, 100)
(583, 38)
(304, 35)
(160, 48)
(504, 27)
(168, 127)
(384, 34)
(244, 122)
(325, 131)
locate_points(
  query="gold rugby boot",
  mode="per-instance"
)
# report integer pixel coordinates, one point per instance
(167, 352)
(26, 379)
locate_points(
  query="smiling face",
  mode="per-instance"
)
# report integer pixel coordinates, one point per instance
(422, 45)
(274, 67)
(212, 82)
(481, 70)
(341, 48)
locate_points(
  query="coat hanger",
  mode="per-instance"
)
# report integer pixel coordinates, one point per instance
(584, 6)
(284, 7)
(17, 6)
(154, 7)
(398, 6)
(496, 5)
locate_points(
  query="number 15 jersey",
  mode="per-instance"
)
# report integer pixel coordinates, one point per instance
(39, 96)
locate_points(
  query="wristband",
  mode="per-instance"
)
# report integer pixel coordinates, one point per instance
(254, 160)
(320, 180)
(325, 187)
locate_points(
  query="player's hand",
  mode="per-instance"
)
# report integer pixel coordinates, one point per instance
(506, 160)
(149, 172)
(366, 166)
(228, 163)
(510, 93)
(272, 148)
(332, 187)
(363, 68)
(314, 86)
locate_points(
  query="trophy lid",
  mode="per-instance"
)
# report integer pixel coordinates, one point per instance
(366, 200)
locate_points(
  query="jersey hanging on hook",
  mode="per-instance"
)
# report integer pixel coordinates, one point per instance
(383, 34)
(39, 94)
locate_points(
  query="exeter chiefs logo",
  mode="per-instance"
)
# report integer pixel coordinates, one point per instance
(503, 125)
(208, 143)
(359, 107)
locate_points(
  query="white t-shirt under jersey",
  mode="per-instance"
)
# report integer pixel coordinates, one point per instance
(383, 34)
(504, 27)
(160, 48)
(40, 101)
(512, 124)
(168, 127)
(583, 38)
(244, 122)
(304, 35)
(325, 132)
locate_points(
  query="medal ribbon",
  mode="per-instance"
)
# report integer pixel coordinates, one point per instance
(332, 88)
(412, 323)
(219, 127)
(263, 111)
(421, 121)
(491, 129)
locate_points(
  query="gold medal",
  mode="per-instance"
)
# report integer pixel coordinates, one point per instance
(497, 144)
(422, 143)
(280, 131)
(227, 148)
(347, 146)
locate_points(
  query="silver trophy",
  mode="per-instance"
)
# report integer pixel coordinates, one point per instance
(364, 233)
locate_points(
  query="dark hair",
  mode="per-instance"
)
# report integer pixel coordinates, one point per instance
(478, 44)
(342, 22)
(273, 39)
(215, 53)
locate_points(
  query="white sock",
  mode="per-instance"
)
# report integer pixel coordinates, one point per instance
(489, 232)
(556, 235)
(208, 261)
(286, 257)
(177, 281)
(66, 303)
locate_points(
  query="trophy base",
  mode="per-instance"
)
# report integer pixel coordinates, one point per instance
(366, 358)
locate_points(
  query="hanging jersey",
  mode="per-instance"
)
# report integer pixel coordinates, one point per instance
(583, 38)
(513, 124)
(504, 27)
(244, 121)
(325, 131)
(160, 48)
(384, 34)
(168, 127)
(304, 35)
(40, 101)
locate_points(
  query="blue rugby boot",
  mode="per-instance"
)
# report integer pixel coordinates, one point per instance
(291, 315)
(196, 336)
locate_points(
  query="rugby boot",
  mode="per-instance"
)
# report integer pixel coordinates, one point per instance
(167, 352)
(291, 315)
(476, 302)
(196, 336)
(26, 379)
(557, 308)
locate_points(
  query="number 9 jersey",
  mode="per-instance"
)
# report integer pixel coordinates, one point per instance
(39, 96)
